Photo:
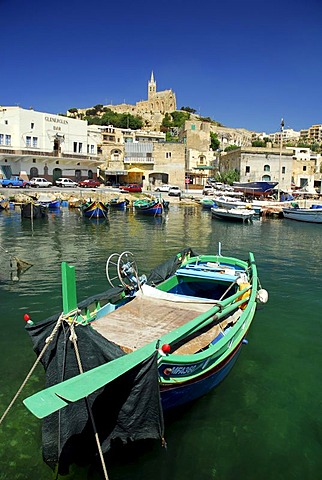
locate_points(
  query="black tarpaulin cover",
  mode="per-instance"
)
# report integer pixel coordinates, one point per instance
(168, 268)
(128, 409)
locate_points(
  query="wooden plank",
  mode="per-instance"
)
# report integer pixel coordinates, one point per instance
(145, 319)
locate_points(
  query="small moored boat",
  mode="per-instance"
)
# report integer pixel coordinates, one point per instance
(310, 215)
(148, 207)
(149, 344)
(235, 214)
(33, 210)
(95, 209)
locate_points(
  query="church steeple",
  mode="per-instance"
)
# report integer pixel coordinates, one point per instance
(152, 87)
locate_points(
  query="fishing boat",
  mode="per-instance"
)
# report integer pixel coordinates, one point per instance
(224, 202)
(51, 201)
(258, 189)
(33, 210)
(4, 204)
(95, 209)
(310, 215)
(148, 207)
(244, 215)
(118, 203)
(147, 345)
(207, 203)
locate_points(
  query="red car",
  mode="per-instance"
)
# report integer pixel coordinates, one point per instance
(89, 183)
(133, 188)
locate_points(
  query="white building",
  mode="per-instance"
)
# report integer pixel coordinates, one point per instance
(47, 145)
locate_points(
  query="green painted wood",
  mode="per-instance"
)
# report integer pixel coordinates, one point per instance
(68, 288)
(58, 396)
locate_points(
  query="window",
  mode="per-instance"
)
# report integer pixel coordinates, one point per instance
(247, 169)
(167, 154)
(28, 141)
(75, 147)
(283, 169)
(267, 168)
(32, 125)
(304, 168)
(1, 138)
(266, 178)
(35, 142)
(92, 149)
(8, 139)
(80, 148)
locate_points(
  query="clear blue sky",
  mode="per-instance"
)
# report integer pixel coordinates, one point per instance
(244, 63)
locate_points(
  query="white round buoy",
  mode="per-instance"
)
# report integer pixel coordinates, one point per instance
(262, 296)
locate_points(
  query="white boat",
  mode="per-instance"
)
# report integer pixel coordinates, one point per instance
(235, 214)
(225, 202)
(311, 215)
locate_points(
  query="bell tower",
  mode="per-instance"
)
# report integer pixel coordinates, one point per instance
(152, 87)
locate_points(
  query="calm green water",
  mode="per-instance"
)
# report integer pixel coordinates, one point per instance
(263, 422)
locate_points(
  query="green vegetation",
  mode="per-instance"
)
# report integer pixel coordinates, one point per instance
(258, 143)
(214, 141)
(188, 109)
(119, 120)
(230, 148)
(228, 177)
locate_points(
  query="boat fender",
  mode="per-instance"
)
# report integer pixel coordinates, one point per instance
(245, 296)
(167, 371)
(262, 296)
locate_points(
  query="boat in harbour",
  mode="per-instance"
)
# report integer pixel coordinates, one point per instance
(95, 209)
(152, 207)
(257, 189)
(147, 345)
(244, 215)
(118, 203)
(310, 215)
(224, 202)
(207, 203)
(33, 210)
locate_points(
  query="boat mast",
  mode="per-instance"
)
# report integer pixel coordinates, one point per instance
(280, 161)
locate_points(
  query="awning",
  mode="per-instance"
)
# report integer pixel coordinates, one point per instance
(115, 172)
(204, 167)
(135, 170)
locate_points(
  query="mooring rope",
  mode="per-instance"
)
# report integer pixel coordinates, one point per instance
(47, 342)
(73, 339)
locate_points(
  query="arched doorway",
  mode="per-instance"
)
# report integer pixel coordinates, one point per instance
(57, 173)
(34, 172)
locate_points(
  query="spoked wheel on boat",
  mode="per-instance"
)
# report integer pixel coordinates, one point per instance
(122, 268)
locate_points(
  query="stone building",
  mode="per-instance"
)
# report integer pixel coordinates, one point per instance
(151, 110)
(306, 169)
(260, 164)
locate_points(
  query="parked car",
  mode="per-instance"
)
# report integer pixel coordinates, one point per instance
(174, 191)
(40, 182)
(208, 190)
(132, 188)
(163, 188)
(14, 182)
(66, 182)
(89, 183)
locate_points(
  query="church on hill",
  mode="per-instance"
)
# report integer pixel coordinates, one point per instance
(151, 110)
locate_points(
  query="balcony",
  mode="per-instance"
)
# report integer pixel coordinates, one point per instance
(4, 150)
(143, 160)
